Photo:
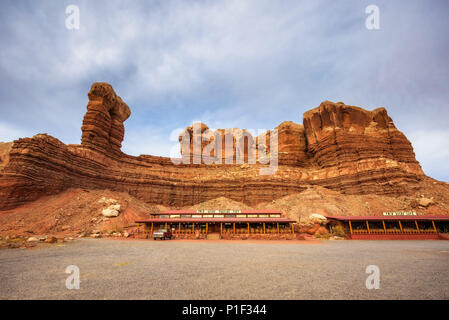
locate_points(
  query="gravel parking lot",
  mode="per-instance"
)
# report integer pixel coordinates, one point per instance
(139, 269)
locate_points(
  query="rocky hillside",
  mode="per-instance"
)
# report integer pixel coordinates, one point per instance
(76, 212)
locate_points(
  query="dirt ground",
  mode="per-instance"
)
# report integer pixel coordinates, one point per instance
(142, 269)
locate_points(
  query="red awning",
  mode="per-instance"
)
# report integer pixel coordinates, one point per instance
(217, 220)
(390, 218)
(211, 212)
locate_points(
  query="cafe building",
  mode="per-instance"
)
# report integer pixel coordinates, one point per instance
(393, 226)
(204, 222)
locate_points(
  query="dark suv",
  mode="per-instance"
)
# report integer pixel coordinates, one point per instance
(162, 234)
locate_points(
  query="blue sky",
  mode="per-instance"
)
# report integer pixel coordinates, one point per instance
(246, 64)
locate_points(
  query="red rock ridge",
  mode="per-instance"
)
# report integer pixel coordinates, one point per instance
(343, 148)
(338, 134)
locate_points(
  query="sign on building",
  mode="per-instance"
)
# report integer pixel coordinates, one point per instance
(400, 213)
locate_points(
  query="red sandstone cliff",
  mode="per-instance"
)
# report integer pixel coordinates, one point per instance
(5, 148)
(344, 148)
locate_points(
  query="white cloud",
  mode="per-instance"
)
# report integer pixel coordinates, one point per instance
(432, 151)
(9, 132)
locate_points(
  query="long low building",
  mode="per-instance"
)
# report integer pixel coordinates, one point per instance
(219, 221)
(393, 227)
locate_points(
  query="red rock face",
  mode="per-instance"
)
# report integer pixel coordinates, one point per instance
(338, 134)
(292, 145)
(5, 148)
(200, 145)
(339, 147)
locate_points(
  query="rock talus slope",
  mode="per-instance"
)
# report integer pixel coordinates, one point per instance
(343, 148)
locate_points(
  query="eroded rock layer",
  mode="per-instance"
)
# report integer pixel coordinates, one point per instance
(340, 147)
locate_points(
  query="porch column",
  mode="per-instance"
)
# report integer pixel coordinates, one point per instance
(350, 226)
(207, 226)
(367, 226)
(166, 225)
(400, 226)
(434, 227)
(193, 227)
(278, 226)
(151, 228)
(293, 228)
(385, 229)
(264, 228)
(221, 227)
(417, 227)
(248, 227)
(179, 227)
(233, 226)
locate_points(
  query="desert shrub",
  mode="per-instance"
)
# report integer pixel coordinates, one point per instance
(338, 230)
(323, 236)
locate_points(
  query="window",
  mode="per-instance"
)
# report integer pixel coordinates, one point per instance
(252, 216)
(218, 216)
(263, 215)
(186, 216)
(207, 216)
(196, 216)
(174, 216)
(275, 215)
(163, 216)
(241, 216)
(230, 216)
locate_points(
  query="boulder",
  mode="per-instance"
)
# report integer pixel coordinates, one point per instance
(111, 211)
(321, 230)
(33, 239)
(51, 240)
(318, 218)
(425, 202)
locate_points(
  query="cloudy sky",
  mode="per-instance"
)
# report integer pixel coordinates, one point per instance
(247, 64)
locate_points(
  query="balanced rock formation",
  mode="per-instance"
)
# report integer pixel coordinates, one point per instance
(340, 147)
(103, 127)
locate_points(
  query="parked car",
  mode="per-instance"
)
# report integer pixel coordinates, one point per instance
(162, 234)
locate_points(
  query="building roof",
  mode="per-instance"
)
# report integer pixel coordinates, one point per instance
(216, 220)
(211, 212)
(391, 218)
